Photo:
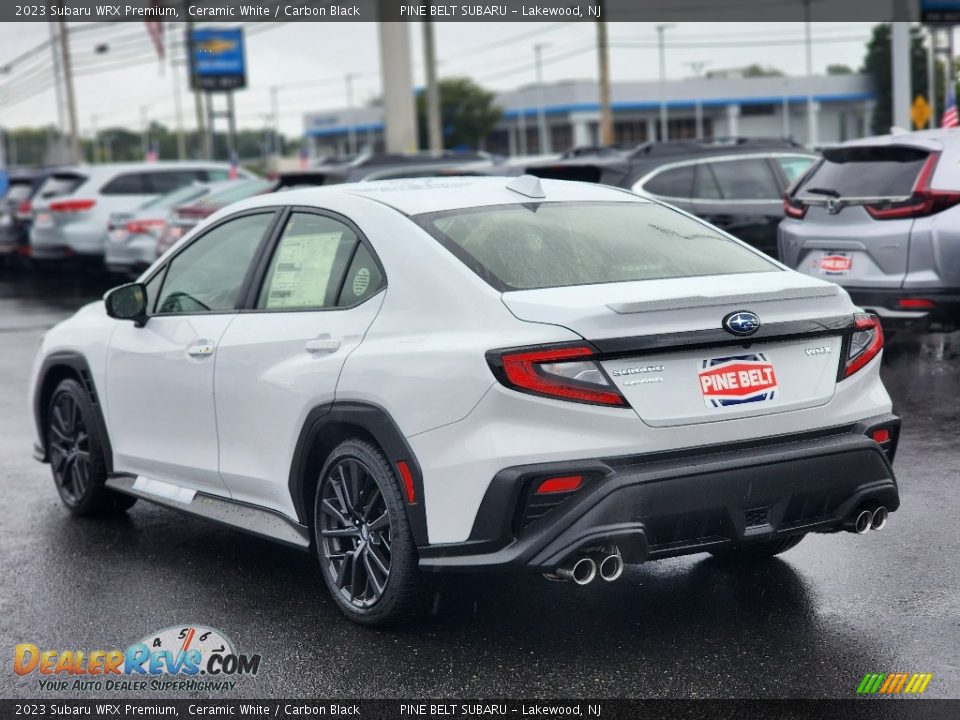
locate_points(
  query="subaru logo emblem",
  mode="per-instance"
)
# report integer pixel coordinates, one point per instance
(741, 322)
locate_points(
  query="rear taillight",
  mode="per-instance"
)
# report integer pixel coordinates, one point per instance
(68, 206)
(916, 304)
(923, 201)
(23, 211)
(792, 208)
(146, 227)
(865, 344)
(565, 372)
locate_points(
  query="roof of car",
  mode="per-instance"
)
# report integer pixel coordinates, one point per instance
(929, 139)
(436, 194)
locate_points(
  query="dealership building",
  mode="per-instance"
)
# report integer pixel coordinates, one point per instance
(702, 107)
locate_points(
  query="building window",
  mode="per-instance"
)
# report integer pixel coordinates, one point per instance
(757, 110)
(629, 132)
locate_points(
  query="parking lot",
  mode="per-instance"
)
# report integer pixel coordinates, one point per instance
(808, 625)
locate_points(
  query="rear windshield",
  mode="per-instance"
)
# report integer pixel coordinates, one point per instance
(61, 184)
(865, 172)
(523, 247)
(178, 197)
(18, 190)
(241, 190)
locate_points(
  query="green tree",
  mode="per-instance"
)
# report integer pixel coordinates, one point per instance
(878, 64)
(839, 69)
(758, 70)
(467, 113)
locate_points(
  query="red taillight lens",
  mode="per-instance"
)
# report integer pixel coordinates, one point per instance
(923, 201)
(67, 206)
(565, 484)
(146, 227)
(24, 208)
(793, 209)
(865, 343)
(566, 373)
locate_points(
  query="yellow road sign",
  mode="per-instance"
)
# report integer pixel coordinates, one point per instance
(920, 112)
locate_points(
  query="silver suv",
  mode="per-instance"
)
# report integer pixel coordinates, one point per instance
(73, 207)
(881, 217)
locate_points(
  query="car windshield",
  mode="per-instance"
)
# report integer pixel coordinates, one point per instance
(180, 196)
(865, 172)
(240, 190)
(543, 245)
(18, 190)
(61, 184)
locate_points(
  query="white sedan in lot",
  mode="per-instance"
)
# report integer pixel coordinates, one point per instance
(473, 374)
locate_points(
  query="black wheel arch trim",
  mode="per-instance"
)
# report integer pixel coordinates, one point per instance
(80, 369)
(376, 422)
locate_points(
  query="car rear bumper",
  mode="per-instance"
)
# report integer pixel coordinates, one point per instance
(136, 253)
(887, 304)
(676, 503)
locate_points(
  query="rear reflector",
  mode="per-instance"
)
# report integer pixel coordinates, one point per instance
(881, 436)
(916, 303)
(568, 483)
(65, 206)
(407, 478)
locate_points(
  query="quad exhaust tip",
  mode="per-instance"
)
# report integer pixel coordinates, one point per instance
(879, 520)
(611, 567)
(582, 571)
(864, 522)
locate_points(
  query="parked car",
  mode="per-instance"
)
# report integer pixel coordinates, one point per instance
(186, 217)
(132, 236)
(73, 206)
(481, 374)
(737, 185)
(881, 217)
(390, 166)
(16, 212)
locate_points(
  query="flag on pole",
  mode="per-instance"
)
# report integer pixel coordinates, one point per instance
(950, 118)
(234, 167)
(304, 157)
(153, 152)
(155, 31)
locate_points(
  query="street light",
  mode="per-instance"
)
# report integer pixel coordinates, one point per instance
(351, 129)
(543, 135)
(698, 67)
(664, 135)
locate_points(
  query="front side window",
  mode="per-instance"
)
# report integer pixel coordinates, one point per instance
(308, 267)
(675, 182)
(208, 274)
(542, 245)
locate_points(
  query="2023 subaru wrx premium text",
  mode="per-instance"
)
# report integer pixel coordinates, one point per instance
(473, 374)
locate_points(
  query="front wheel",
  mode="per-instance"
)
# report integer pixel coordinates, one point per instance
(757, 550)
(76, 451)
(363, 538)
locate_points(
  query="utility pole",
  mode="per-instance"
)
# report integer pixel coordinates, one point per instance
(543, 135)
(603, 79)
(144, 132)
(204, 148)
(58, 88)
(396, 71)
(68, 85)
(932, 75)
(900, 74)
(351, 128)
(661, 48)
(96, 138)
(434, 131)
(177, 107)
(275, 150)
(812, 134)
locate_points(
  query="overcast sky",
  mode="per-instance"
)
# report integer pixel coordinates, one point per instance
(312, 59)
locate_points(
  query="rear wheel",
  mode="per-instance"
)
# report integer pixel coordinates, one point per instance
(76, 452)
(363, 539)
(757, 550)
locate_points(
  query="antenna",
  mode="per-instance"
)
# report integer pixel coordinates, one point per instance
(528, 186)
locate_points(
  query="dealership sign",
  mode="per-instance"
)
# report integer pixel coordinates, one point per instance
(217, 60)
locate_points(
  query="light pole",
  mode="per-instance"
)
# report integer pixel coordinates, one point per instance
(811, 111)
(664, 135)
(351, 129)
(275, 121)
(698, 67)
(543, 139)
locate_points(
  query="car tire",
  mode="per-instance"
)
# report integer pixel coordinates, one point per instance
(758, 550)
(360, 529)
(77, 458)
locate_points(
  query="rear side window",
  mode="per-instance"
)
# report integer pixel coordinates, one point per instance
(126, 184)
(61, 184)
(749, 179)
(865, 172)
(164, 181)
(794, 166)
(521, 247)
(675, 182)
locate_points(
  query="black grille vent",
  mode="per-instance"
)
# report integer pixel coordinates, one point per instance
(756, 517)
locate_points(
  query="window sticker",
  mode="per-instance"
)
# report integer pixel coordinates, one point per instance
(302, 270)
(361, 281)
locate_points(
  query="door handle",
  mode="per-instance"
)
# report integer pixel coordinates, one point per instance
(321, 345)
(200, 350)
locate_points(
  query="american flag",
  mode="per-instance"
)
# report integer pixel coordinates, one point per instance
(950, 118)
(234, 167)
(155, 31)
(153, 152)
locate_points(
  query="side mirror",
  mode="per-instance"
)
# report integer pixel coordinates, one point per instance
(128, 302)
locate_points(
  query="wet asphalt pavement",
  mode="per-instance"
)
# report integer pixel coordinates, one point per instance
(807, 625)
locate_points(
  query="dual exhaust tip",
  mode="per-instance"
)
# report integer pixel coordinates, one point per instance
(867, 520)
(585, 568)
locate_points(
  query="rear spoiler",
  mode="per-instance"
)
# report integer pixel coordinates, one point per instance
(702, 301)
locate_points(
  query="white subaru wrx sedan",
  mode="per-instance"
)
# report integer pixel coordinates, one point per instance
(473, 374)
